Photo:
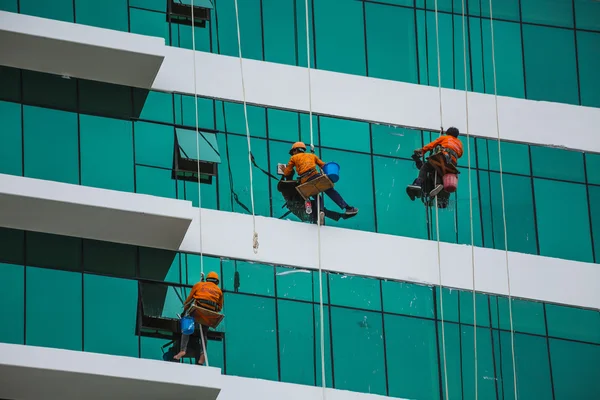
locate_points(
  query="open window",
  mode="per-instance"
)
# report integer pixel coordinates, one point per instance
(180, 12)
(186, 159)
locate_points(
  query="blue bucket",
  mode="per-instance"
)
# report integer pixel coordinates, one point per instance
(187, 325)
(332, 170)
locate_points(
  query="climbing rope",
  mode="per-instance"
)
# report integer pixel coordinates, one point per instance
(510, 313)
(255, 234)
(312, 149)
(198, 155)
(437, 216)
(464, 37)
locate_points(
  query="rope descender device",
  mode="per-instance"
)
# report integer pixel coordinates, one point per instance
(255, 243)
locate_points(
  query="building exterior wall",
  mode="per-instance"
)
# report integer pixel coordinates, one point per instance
(382, 336)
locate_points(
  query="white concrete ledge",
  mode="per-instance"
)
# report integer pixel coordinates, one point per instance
(379, 100)
(91, 213)
(32, 373)
(79, 51)
(378, 255)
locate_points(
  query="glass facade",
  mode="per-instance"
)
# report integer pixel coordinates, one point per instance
(100, 135)
(381, 336)
(389, 39)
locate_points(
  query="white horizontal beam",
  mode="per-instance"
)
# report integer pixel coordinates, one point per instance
(32, 373)
(79, 51)
(80, 211)
(378, 255)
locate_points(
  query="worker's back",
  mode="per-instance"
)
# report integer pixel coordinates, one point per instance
(208, 292)
(452, 143)
(304, 162)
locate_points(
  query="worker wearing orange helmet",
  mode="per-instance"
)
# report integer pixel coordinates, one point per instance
(206, 295)
(305, 165)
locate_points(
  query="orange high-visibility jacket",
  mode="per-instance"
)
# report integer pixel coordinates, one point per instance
(303, 162)
(206, 291)
(448, 142)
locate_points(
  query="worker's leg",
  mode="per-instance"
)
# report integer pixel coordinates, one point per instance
(337, 199)
(414, 190)
(183, 348)
(203, 344)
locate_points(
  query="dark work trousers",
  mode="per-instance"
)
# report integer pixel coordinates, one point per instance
(332, 194)
(425, 169)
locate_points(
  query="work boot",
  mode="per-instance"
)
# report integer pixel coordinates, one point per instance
(414, 190)
(351, 211)
(436, 190)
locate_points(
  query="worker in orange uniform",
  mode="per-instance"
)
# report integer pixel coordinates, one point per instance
(452, 148)
(206, 295)
(306, 168)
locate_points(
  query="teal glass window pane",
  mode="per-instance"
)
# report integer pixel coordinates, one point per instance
(538, 42)
(358, 351)
(9, 5)
(53, 251)
(189, 191)
(422, 45)
(509, 57)
(594, 196)
(395, 141)
(340, 37)
(518, 208)
(11, 157)
(279, 31)
(296, 284)
(305, 129)
(553, 12)
(446, 55)
(189, 144)
(481, 306)
(161, 265)
(250, 29)
(155, 106)
(575, 369)
(592, 164)
(106, 100)
(51, 145)
(588, 44)
(106, 153)
(344, 134)
(181, 36)
(460, 48)
(475, 38)
(587, 14)
(442, 5)
(59, 308)
(486, 387)
(109, 14)
(316, 287)
(154, 144)
(116, 335)
(548, 162)
(283, 125)
(449, 340)
(156, 5)
(301, 33)
(109, 258)
(235, 120)
(155, 182)
(391, 42)
(355, 186)
(296, 342)
(278, 153)
(185, 112)
(12, 246)
(237, 149)
(248, 277)
(10, 80)
(468, 151)
(355, 291)
(527, 316)
(12, 303)
(573, 323)
(464, 202)
(393, 205)
(251, 353)
(61, 10)
(412, 364)
(450, 300)
(482, 152)
(515, 157)
(407, 298)
(533, 370)
(148, 23)
(327, 340)
(507, 9)
(554, 221)
(191, 269)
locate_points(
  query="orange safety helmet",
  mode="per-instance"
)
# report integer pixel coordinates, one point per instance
(298, 146)
(212, 277)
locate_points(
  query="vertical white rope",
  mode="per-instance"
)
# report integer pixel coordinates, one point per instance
(464, 37)
(510, 313)
(255, 234)
(437, 216)
(312, 148)
(198, 155)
